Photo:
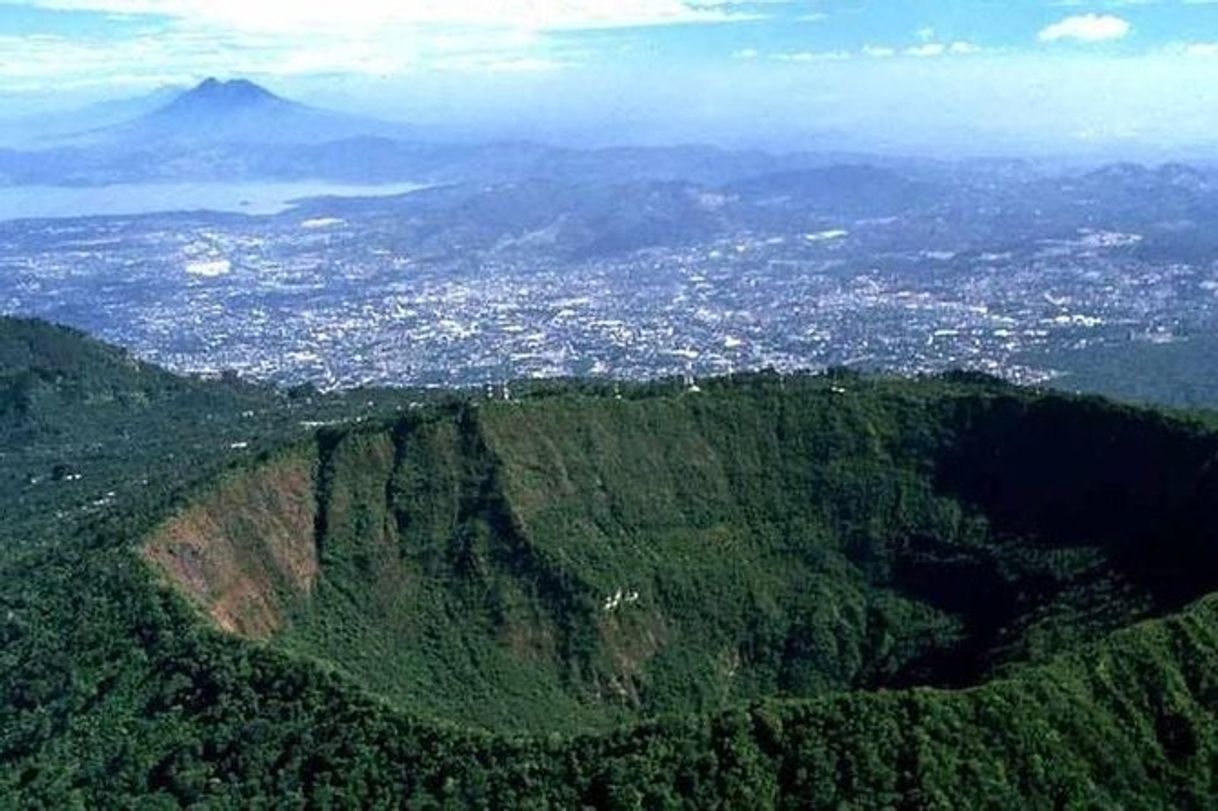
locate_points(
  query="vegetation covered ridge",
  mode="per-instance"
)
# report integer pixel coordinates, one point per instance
(925, 594)
(578, 558)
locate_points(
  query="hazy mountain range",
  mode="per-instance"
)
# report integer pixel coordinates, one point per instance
(598, 199)
(237, 130)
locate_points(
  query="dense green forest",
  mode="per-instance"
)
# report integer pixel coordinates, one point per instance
(1181, 373)
(821, 591)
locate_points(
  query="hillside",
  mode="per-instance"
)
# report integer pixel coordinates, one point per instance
(85, 429)
(78, 416)
(573, 561)
(829, 591)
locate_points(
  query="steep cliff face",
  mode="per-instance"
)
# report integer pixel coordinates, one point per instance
(245, 554)
(572, 561)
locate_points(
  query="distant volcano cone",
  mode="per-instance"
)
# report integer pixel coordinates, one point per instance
(240, 111)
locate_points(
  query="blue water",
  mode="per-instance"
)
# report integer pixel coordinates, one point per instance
(40, 202)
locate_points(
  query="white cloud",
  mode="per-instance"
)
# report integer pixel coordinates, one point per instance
(1087, 28)
(187, 39)
(489, 63)
(1200, 49)
(958, 48)
(175, 58)
(927, 50)
(181, 55)
(812, 56)
(879, 51)
(1118, 3)
(328, 15)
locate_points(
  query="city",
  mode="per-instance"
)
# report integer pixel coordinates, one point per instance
(342, 301)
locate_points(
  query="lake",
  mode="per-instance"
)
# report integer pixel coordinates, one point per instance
(39, 202)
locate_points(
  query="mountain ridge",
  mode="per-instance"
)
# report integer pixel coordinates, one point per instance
(570, 525)
(907, 511)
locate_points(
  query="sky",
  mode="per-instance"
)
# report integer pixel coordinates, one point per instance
(979, 76)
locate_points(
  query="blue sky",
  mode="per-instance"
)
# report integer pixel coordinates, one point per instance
(901, 73)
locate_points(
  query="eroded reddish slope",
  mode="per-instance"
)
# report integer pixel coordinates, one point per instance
(246, 553)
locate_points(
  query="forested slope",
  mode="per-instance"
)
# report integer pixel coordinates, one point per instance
(571, 561)
(801, 592)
